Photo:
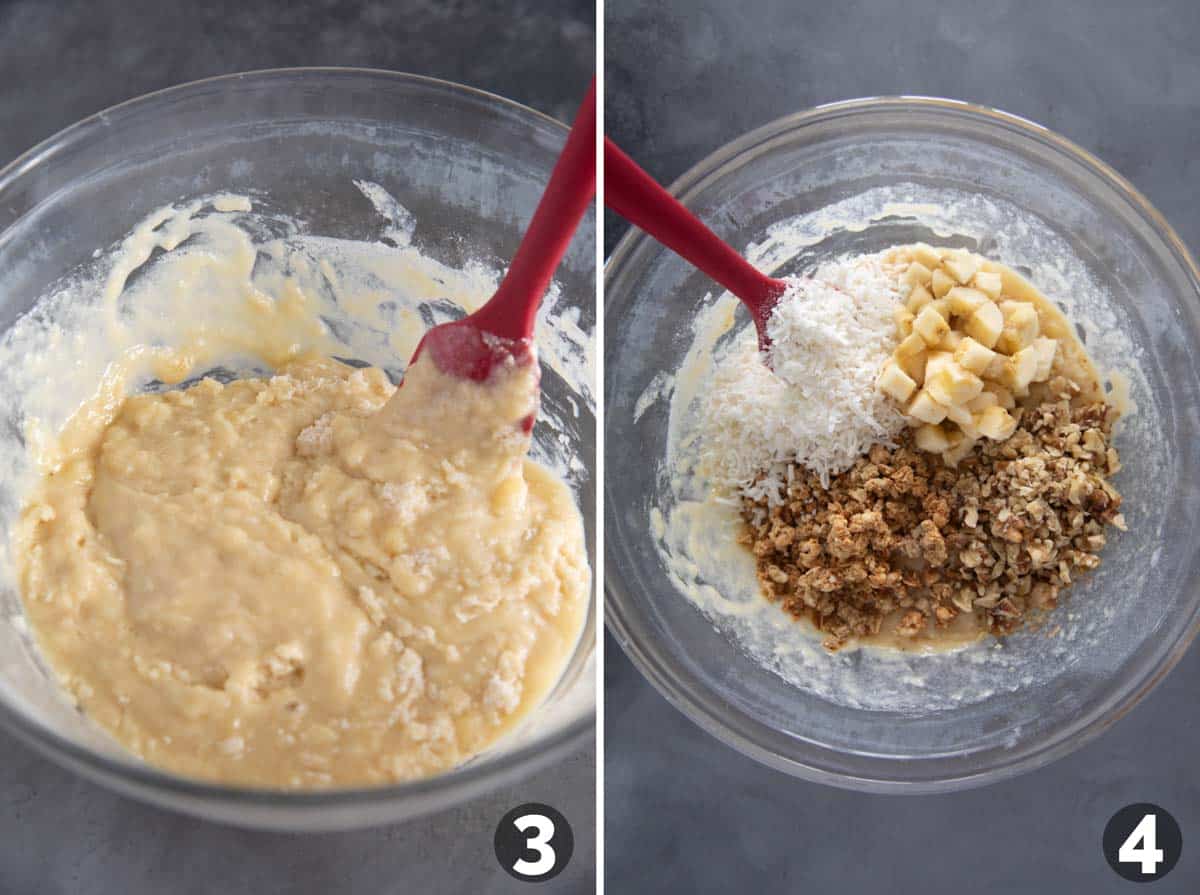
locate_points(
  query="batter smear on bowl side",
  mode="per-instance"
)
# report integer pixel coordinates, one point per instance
(959, 494)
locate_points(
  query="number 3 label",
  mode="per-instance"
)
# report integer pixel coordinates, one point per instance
(540, 842)
(534, 842)
(1142, 842)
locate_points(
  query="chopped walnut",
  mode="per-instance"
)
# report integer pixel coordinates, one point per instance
(911, 623)
(902, 535)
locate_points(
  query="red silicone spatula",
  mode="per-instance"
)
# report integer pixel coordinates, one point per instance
(503, 328)
(635, 196)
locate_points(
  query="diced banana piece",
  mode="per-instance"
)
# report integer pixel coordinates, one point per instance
(983, 401)
(941, 283)
(925, 409)
(918, 298)
(932, 438)
(1020, 326)
(985, 325)
(904, 320)
(989, 283)
(1046, 349)
(996, 423)
(964, 419)
(1010, 305)
(950, 341)
(930, 325)
(911, 345)
(964, 300)
(1004, 397)
(1021, 369)
(958, 414)
(955, 455)
(914, 364)
(917, 274)
(950, 384)
(927, 255)
(937, 360)
(895, 383)
(973, 356)
(961, 265)
(995, 370)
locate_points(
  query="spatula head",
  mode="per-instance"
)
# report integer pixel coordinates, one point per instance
(761, 305)
(464, 350)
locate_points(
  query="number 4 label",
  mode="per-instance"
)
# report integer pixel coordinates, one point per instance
(1142, 845)
(1142, 842)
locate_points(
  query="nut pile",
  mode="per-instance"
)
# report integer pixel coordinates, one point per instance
(966, 355)
(901, 538)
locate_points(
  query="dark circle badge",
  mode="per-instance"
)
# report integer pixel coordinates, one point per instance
(534, 842)
(1142, 842)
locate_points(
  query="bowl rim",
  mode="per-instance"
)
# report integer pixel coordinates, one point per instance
(1080, 730)
(471, 779)
(80, 130)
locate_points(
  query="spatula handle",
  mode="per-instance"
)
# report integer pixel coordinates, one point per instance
(512, 311)
(635, 196)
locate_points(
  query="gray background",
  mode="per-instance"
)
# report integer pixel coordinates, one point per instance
(60, 61)
(683, 812)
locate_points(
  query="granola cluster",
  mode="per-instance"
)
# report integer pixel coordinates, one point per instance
(903, 539)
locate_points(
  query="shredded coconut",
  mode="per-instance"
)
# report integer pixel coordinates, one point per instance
(818, 406)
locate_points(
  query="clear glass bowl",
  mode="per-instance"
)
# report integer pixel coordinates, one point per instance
(469, 165)
(952, 174)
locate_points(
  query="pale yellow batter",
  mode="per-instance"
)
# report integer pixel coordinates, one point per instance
(308, 580)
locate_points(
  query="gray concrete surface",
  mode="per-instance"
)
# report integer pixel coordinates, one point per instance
(683, 812)
(60, 61)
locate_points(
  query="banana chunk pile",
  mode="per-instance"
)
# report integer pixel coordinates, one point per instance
(966, 352)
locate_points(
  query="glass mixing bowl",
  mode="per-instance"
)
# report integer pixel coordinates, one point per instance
(469, 166)
(860, 176)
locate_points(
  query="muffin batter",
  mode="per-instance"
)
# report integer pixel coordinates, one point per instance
(308, 580)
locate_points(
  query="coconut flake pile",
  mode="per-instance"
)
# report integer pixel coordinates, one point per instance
(818, 407)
